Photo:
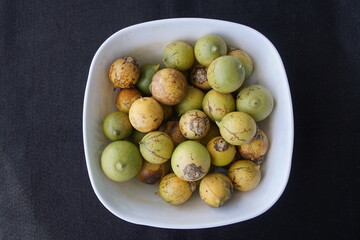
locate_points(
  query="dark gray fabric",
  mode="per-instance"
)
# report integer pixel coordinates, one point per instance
(45, 52)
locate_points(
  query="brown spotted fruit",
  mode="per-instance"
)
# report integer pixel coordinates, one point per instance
(216, 105)
(194, 124)
(172, 128)
(156, 147)
(151, 173)
(256, 149)
(124, 72)
(198, 77)
(126, 97)
(244, 174)
(222, 153)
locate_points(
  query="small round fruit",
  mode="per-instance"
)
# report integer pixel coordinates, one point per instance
(168, 86)
(190, 161)
(255, 100)
(136, 137)
(178, 55)
(237, 128)
(175, 190)
(125, 98)
(221, 152)
(194, 124)
(226, 74)
(245, 59)
(216, 105)
(213, 132)
(116, 126)
(198, 77)
(244, 174)
(208, 48)
(124, 72)
(146, 114)
(172, 128)
(147, 72)
(215, 189)
(256, 149)
(156, 147)
(192, 100)
(121, 161)
(151, 173)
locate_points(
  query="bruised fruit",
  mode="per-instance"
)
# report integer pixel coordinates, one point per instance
(190, 161)
(255, 100)
(237, 128)
(216, 105)
(226, 74)
(147, 72)
(194, 124)
(221, 152)
(124, 72)
(245, 59)
(156, 147)
(244, 174)
(146, 114)
(121, 161)
(116, 126)
(178, 55)
(213, 132)
(172, 128)
(208, 48)
(168, 86)
(151, 173)
(192, 100)
(126, 97)
(175, 190)
(198, 77)
(256, 149)
(215, 189)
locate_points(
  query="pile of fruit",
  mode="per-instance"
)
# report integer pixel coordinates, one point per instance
(190, 125)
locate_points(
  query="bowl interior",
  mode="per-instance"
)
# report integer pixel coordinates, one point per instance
(137, 202)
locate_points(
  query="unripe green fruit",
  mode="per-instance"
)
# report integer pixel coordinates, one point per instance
(192, 100)
(156, 147)
(116, 126)
(245, 59)
(216, 105)
(178, 55)
(147, 71)
(208, 48)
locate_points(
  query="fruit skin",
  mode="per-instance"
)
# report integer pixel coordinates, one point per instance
(237, 128)
(213, 132)
(151, 173)
(121, 160)
(215, 189)
(116, 126)
(146, 114)
(126, 97)
(178, 55)
(245, 175)
(244, 59)
(255, 100)
(226, 74)
(194, 124)
(175, 190)
(198, 77)
(136, 137)
(190, 161)
(172, 128)
(222, 153)
(208, 48)
(192, 100)
(256, 149)
(216, 105)
(124, 72)
(147, 72)
(156, 147)
(168, 86)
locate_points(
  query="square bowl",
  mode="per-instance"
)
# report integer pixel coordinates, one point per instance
(137, 202)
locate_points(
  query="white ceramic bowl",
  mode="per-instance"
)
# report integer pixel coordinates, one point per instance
(137, 202)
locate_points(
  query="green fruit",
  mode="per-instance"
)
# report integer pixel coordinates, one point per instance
(216, 105)
(178, 55)
(192, 100)
(136, 136)
(245, 59)
(255, 100)
(116, 126)
(208, 48)
(156, 147)
(147, 71)
(226, 74)
(121, 161)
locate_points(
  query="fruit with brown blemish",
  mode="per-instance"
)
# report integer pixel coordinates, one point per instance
(168, 86)
(116, 126)
(198, 77)
(237, 128)
(192, 100)
(256, 149)
(208, 48)
(174, 190)
(245, 175)
(216, 105)
(255, 100)
(151, 173)
(156, 147)
(178, 55)
(172, 128)
(147, 72)
(194, 124)
(213, 132)
(146, 114)
(215, 189)
(190, 161)
(221, 152)
(124, 72)
(245, 59)
(126, 97)
(226, 74)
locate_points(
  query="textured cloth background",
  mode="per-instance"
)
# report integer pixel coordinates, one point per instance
(46, 48)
